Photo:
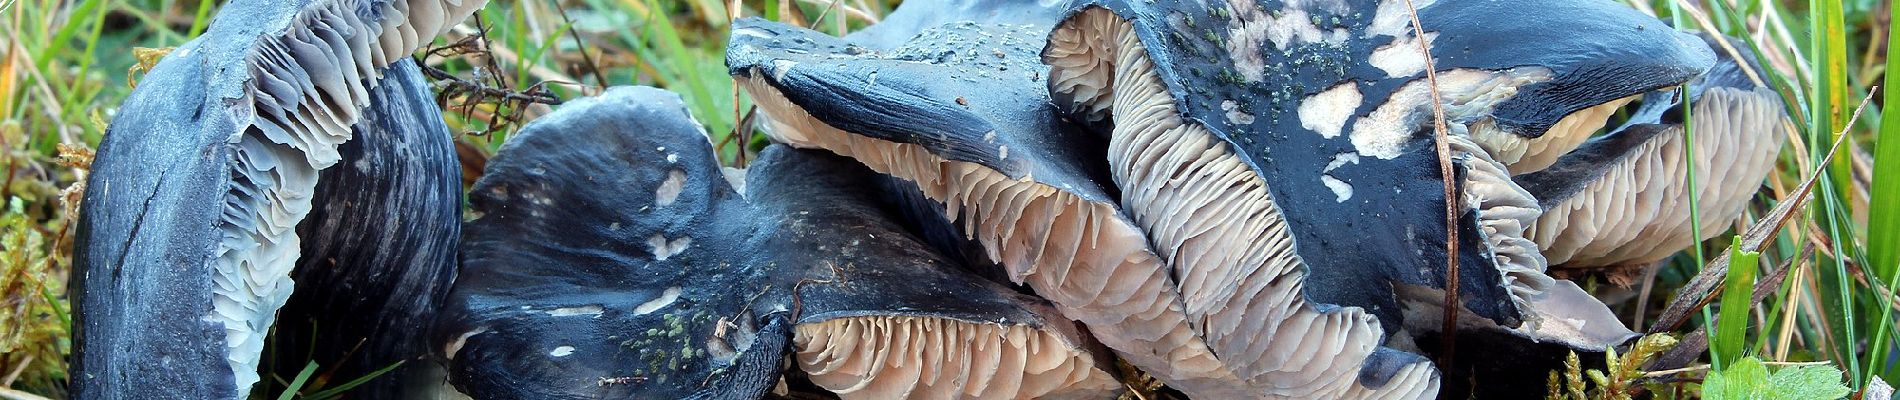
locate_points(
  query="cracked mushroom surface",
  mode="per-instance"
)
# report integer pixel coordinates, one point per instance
(1621, 199)
(186, 248)
(960, 113)
(612, 258)
(1283, 150)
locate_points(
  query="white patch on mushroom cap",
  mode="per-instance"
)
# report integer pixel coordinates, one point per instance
(1328, 111)
(1341, 190)
(1394, 18)
(1250, 26)
(669, 189)
(592, 310)
(455, 346)
(663, 248)
(666, 299)
(562, 351)
(1235, 116)
(1468, 95)
(1403, 57)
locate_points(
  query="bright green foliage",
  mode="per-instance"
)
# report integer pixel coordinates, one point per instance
(1731, 333)
(1748, 379)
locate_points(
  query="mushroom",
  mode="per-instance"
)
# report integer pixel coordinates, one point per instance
(960, 112)
(912, 18)
(1620, 199)
(1261, 154)
(611, 259)
(378, 247)
(186, 245)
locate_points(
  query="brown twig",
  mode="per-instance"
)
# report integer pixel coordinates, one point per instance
(1442, 141)
(600, 78)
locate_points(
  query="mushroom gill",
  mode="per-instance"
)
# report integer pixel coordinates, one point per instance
(612, 258)
(1622, 200)
(202, 181)
(378, 248)
(1288, 152)
(960, 112)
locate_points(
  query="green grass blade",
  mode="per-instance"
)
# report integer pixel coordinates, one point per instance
(1731, 332)
(296, 384)
(352, 384)
(1828, 55)
(1883, 223)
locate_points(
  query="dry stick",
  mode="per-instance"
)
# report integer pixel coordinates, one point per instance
(1443, 143)
(1702, 289)
(1642, 298)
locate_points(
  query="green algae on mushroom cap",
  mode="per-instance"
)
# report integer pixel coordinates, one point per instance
(1301, 131)
(612, 258)
(185, 250)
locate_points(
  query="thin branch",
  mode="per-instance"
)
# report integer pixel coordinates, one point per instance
(1442, 141)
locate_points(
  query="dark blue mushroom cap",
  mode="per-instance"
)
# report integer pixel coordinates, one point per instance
(613, 258)
(188, 247)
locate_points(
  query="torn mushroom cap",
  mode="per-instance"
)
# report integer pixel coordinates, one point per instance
(1343, 145)
(221, 146)
(367, 288)
(1324, 111)
(1622, 199)
(612, 259)
(989, 146)
(925, 113)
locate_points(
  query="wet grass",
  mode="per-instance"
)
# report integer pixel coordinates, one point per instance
(66, 64)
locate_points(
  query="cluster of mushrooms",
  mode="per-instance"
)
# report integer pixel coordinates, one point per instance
(970, 199)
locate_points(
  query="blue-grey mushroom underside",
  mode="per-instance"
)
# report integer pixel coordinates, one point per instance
(961, 112)
(1261, 142)
(189, 235)
(612, 258)
(1622, 198)
(378, 248)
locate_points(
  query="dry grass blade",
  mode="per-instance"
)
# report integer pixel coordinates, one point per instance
(1701, 289)
(1442, 142)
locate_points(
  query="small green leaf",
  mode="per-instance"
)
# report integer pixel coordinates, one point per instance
(1745, 379)
(1807, 382)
